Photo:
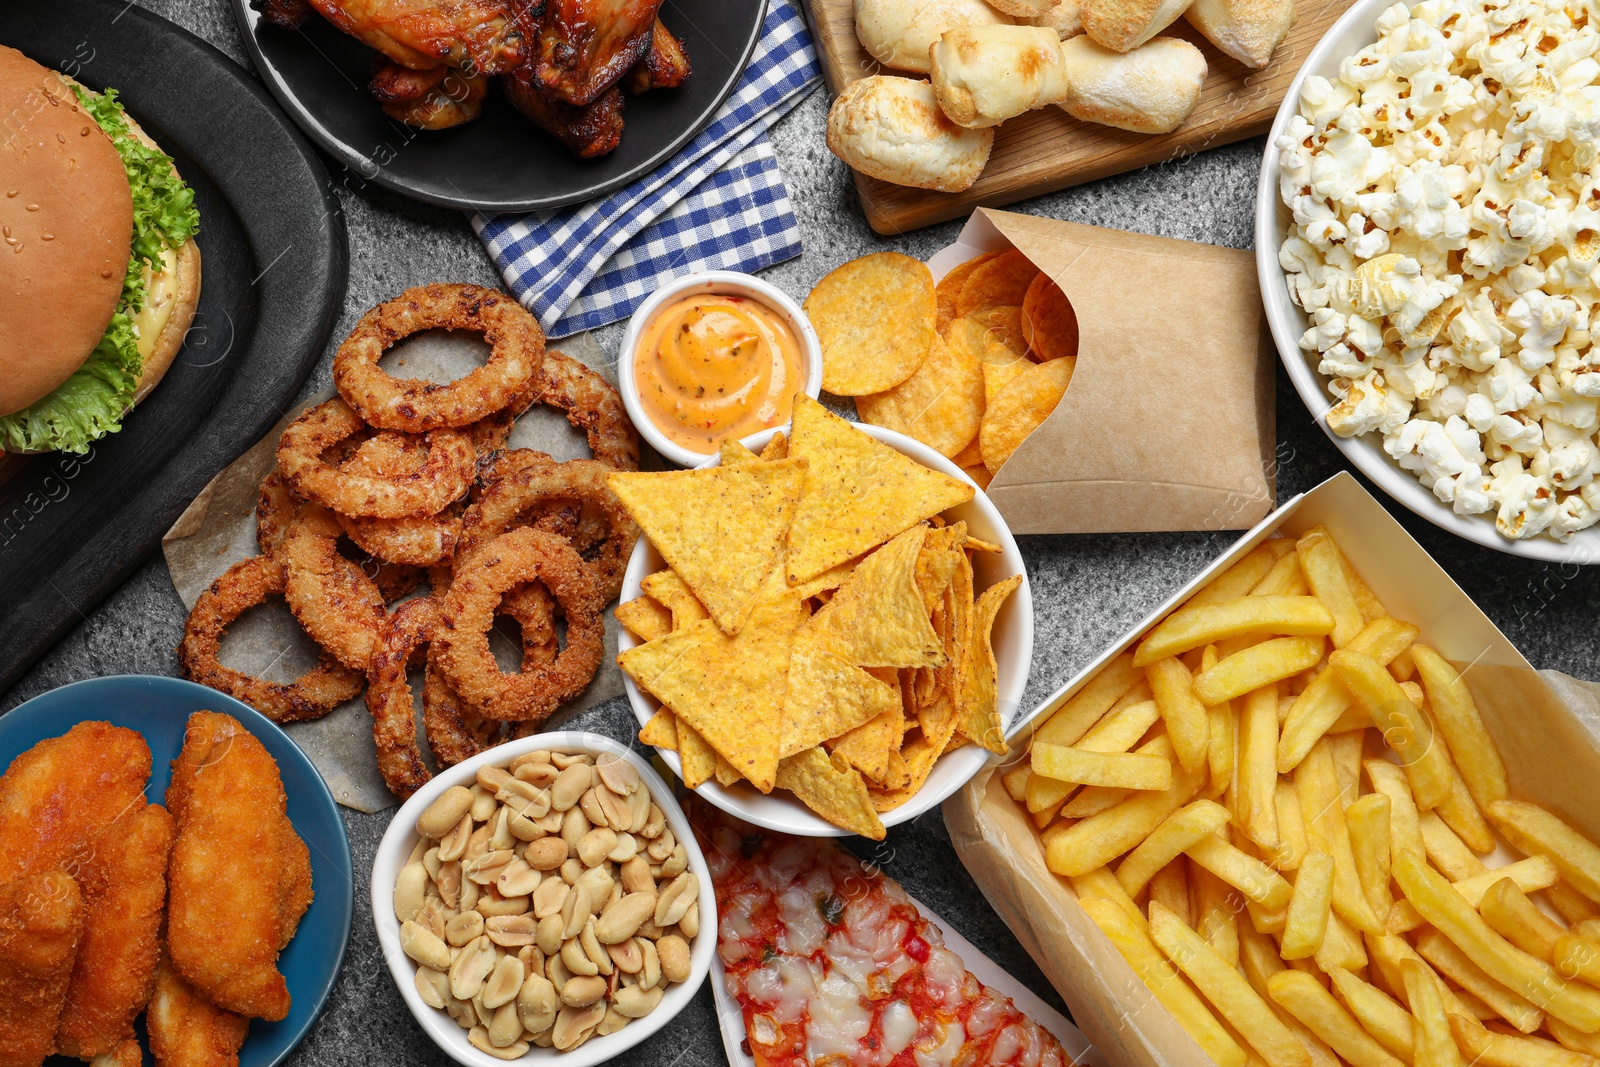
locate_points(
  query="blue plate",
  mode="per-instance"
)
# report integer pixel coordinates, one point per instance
(159, 708)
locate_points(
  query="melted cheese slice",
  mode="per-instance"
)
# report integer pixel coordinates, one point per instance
(161, 296)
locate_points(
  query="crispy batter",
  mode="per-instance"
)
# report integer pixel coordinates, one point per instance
(418, 541)
(227, 921)
(126, 1053)
(331, 597)
(124, 886)
(41, 923)
(186, 1030)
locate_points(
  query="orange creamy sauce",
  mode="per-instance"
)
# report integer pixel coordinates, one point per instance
(712, 366)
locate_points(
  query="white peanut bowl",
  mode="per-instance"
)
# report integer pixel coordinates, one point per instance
(726, 283)
(401, 837)
(1354, 31)
(1013, 651)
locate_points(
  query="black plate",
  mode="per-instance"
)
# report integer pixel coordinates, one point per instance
(273, 258)
(501, 161)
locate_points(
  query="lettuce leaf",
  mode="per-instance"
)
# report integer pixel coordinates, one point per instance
(92, 401)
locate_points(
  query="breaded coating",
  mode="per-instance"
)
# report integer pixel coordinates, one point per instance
(126, 1053)
(186, 1030)
(41, 924)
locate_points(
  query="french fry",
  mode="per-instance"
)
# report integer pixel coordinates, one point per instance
(1577, 957)
(1405, 831)
(1535, 830)
(1341, 947)
(1221, 735)
(1173, 687)
(1305, 998)
(1378, 1013)
(1403, 918)
(1216, 912)
(1292, 846)
(1346, 749)
(1244, 872)
(1371, 607)
(1133, 941)
(1403, 667)
(1402, 724)
(1258, 957)
(1452, 963)
(1270, 661)
(1243, 576)
(1118, 731)
(1389, 954)
(1323, 703)
(1094, 799)
(1460, 812)
(1168, 841)
(1577, 1041)
(1257, 778)
(1447, 851)
(1509, 912)
(1124, 770)
(1284, 579)
(1307, 921)
(1570, 904)
(1044, 818)
(1489, 1049)
(1170, 889)
(1589, 928)
(1015, 779)
(1529, 874)
(1457, 715)
(1325, 574)
(1368, 821)
(1227, 990)
(1193, 626)
(1433, 1045)
(1097, 840)
(1068, 723)
(1526, 975)
(1316, 783)
(1101, 883)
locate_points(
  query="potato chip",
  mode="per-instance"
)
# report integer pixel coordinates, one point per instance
(1019, 409)
(947, 294)
(981, 341)
(1049, 325)
(859, 492)
(827, 696)
(829, 786)
(867, 748)
(971, 456)
(699, 760)
(940, 405)
(996, 376)
(667, 589)
(645, 616)
(877, 618)
(978, 716)
(661, 731)
(993, 296)
(725, 545)
(875, 319)
(979, 474)
(729, 689)
(777, 448)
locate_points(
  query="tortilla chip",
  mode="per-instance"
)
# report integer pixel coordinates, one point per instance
(940, 405)
(673, 593)
(956, 741)
(867, 748)
(661, 731)
(937, 691)
(1024, 403)
(827, 696)
(979, 702)
(920, 755)
(875, 319)
(937, 562)
(829, 786)
(828, 580)
(733, 452)
(699, 759)
(859, 492)
(947, 293)
(728, 689)
(993, 295)
(777, 448)
(898, 775)
(978, 544)
(1049, 325)
(645, 616)
(725, 544)
(877, 618)
(726, 774)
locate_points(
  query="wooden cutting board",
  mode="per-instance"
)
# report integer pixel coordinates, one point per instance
(1047, 150)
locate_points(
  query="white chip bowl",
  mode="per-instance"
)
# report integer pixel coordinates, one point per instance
(1013, 650)
(722, 282)
(1354, 31)
(401, 837)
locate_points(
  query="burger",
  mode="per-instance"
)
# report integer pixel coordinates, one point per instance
(99, 272)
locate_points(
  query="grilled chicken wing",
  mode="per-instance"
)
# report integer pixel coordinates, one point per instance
(589, 131)
(284, 14)
(428, 99)
(585, 46)
(664, 66)
(473, 35)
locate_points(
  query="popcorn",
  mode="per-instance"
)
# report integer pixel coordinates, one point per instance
(1445, 247)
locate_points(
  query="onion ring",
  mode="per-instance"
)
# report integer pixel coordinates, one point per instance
(443, 477)
(243, 586)
(394, 722)
(277, 510)
(592, 405)
(419, 541)
(515, 360)
(522, 555)
(332, 597)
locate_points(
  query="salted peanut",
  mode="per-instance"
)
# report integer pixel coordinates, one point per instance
(548, 936)
(492, 779)
(440, 817)
(654, 823)
(535, 800)
(433, 916)
(537, 1002)
(620, 921)
(627, 956)
(563, 760)
(636, 1002)
(570, 785)
(595, 845)
(484, 804)
(550, 822)
(639, 804)
(424, 947)
(616, 773)
(463, 928)
(574, 1025)
(479, 1036)
(625, 849)
(594, 950)
(517, 879)
(578, 907)
(576, 960)
(599, 883)
(454, 844)
(650, 973)
(505, 1027)
(689, 925)
(545, 854)
(676, 863)
(661, 846)
(491, 903)
(512, 931)
(528, 759)
(557, 972)
(549, 897)
(410, 890)
(589, 804)
(574, 824)
(583, 990)
(983, 75)
(571, 868)
(636, 877)
(1152, 89)
(532, 958)
(542, 775)
(503, 984)
(470, 967)
(487, 868)
(673, 952)
(432, 986)
(613, 1021)
(522, 826)
(675, 899)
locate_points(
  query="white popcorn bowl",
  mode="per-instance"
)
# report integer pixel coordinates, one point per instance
(401, 837)
(1354, 31)
(1013, 651)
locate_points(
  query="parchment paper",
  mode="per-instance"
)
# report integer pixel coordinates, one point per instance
(1169, 421)
(1546, 725)
(219, 528)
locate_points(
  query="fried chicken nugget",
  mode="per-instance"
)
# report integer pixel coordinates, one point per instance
(125, 1053)
(186, 1030)
(41, 924)
(124, 883)
(227, 920)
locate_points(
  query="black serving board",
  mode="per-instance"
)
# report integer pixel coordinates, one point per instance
(273, 264)
(500, 161)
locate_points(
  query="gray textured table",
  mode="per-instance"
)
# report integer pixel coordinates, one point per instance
(1087, 590)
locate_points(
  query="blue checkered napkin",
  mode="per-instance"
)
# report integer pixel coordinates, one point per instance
(719, 204)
